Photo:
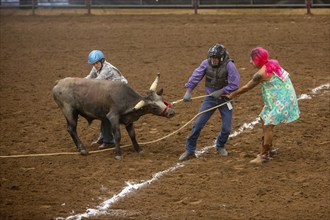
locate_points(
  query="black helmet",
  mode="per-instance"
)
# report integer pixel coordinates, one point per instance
(217, 50)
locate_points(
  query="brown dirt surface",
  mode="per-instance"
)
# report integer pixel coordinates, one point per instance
(38, 50)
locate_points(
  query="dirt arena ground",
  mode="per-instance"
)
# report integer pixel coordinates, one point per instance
(38, 50)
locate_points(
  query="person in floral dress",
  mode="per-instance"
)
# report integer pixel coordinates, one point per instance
(280, 100)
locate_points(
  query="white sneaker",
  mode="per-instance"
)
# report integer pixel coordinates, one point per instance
(222, 151)
(187, 156)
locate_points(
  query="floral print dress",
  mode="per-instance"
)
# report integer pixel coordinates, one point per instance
(281, 104)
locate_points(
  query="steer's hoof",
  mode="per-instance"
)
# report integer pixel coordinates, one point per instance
(83, 152)
(141, 152)
(118, 157)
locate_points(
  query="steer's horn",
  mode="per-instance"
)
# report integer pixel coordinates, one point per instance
(154, 84)
(139, 105)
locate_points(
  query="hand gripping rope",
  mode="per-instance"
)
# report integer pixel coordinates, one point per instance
(144, 143)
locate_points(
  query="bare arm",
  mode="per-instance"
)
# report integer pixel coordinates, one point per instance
(256, 79)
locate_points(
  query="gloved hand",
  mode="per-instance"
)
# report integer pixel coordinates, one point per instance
(187, 96)
(217, 94)
(226, 97)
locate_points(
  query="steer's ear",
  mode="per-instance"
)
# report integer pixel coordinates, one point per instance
(160, 92)
(155, 83)
(139, 105)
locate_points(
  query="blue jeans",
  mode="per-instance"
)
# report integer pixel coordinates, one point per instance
(106, 133)
(226, 123)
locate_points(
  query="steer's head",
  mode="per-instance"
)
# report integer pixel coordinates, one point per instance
(154, 103)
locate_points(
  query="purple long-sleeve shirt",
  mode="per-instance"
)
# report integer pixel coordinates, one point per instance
(199, 72)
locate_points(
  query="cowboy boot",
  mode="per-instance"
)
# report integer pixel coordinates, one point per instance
(272, 151)
(262, 145)
(96, 143)
(264, 155)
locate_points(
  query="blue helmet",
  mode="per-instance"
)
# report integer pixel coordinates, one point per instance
(95, 56)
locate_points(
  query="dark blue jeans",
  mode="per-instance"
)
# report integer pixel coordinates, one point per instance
(226, 123)
(106, 133)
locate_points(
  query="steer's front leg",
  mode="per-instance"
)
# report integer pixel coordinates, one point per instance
(131, 132)
(116, 135)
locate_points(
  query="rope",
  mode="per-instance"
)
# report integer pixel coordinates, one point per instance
(215, 107)
(144, 143)
(197, 97)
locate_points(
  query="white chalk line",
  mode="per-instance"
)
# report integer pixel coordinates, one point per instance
(102, 209)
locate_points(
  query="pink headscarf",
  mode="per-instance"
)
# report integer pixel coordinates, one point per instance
(260, 57)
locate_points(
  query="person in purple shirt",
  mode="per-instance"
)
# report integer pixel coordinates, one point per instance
(221, 78)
